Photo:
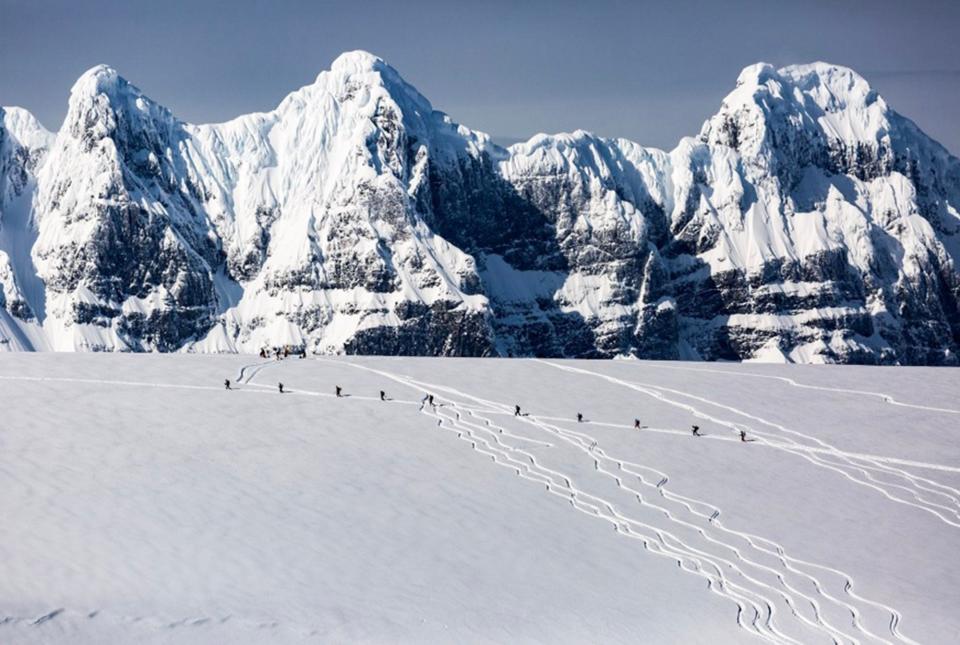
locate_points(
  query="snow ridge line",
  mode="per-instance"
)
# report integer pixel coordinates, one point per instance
(581, 440)
(794, 447)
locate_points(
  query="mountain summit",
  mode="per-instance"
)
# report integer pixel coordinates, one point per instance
(807, 221)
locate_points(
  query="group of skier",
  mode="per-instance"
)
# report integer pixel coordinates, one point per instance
(517, 412)
(280, 353)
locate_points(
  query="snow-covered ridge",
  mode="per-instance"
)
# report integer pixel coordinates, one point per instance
(807, 221)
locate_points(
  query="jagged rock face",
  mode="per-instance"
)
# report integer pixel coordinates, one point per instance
(121, 244)
(808, 221)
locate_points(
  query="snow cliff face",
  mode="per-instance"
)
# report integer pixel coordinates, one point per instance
(808, 221)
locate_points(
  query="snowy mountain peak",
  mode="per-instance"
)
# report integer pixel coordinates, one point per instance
(808, 222)
(24, 127)
(95, 80)
(357, 61)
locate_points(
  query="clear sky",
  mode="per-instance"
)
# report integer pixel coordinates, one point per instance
(648, 71)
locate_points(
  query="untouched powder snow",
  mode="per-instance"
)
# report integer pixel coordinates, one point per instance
(143, 502)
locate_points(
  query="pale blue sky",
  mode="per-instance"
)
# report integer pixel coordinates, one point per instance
(651, 72)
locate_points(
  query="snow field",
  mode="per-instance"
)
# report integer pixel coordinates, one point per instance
(143, 493)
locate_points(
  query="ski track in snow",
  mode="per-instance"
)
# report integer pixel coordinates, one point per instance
(885, 397)
(860, 469)
(264, 389)
(741, 584)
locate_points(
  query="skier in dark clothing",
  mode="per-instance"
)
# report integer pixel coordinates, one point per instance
(281, 388)
(579, 418)
(516, 410)
(383, 395)
(743, 436)
(226, 383)
(696, 431)
(339, 391)
(636, 424)
(430, 400)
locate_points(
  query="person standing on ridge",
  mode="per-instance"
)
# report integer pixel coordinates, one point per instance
(226, 383)
(430, 401)
(579, 418)
(281, 387)
(339, 392)
(516, 410)
(636, 424)
(696, 431)
(743, 435)
(383, 395)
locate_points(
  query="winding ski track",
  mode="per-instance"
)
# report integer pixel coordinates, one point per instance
(741, 584)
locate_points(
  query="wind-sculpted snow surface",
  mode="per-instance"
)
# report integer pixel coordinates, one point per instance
(146, 502)
(807, 222)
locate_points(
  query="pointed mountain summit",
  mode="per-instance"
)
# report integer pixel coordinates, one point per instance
(807, 222)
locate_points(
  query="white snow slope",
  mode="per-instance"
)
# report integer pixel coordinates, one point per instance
(142, 502)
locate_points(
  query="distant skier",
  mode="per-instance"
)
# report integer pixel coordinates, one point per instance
(579, 418)
(383, 395)
(696, 431)
(743, 435)
(636, 424)
(263, 353)
(430, 401)
(339, 391)
(516, 410)
(226, 383)
(281, 387)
